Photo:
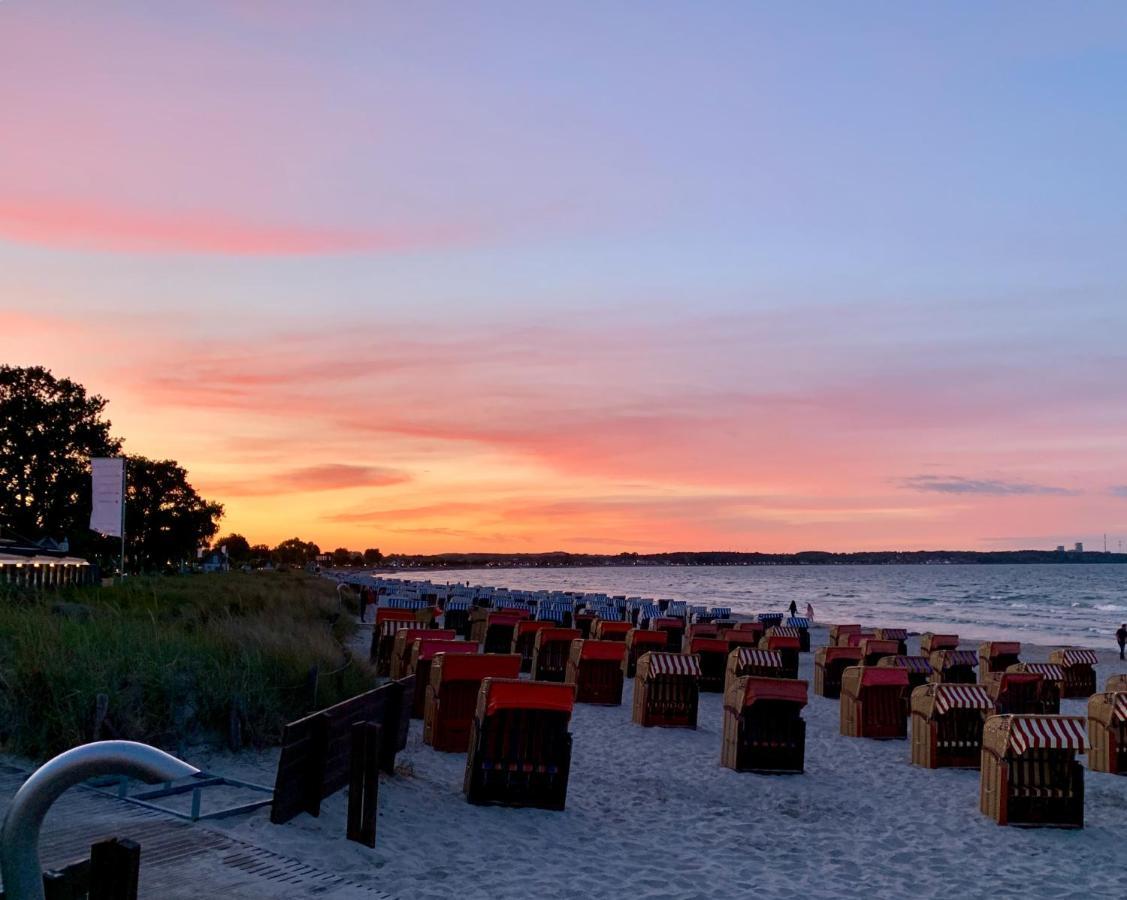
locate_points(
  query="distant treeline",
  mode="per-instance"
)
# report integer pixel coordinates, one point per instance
(725, 558)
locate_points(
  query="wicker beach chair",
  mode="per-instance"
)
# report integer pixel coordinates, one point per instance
(918, 669)
(404, 638)
(953, 666)
(763, 726)
(1017, 693)
(1077, 666)
(736, 638)
(584, 622)
(792, 631)
(673, 629)
(770, 620)
(1116, 682)
(500, 629)
(854, 638)
(1030, 775)
(595, 668)
(753, 662)
(947, 722)
(520, 746)
(388, 622)
(874, 650)
(930, 642)
(610, 631)
(872, 702)
(899, 635)
(699, 630)
(451, 695)
(1107, 732)
(456, 616)
(524, 640)
(550, 652)
(754, 627)
(829, 663)
(639, 641)
(1053, 676)
(802, 624)
(997, 656)
(666, 692)
(787, 647)
(713, 654)
(839, 632)
(419, 659)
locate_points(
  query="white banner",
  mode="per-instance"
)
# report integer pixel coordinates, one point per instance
(108, 488)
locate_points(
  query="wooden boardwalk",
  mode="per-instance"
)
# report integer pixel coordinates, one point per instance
(179, 860)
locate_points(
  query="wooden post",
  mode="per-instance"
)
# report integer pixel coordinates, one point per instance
(114, 867)
(315, 769)
(364, 783)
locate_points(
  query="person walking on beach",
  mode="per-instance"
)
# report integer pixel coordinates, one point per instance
(1121, 636)
(810, 612)
(793, 609)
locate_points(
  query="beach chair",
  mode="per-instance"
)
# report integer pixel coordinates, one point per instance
(838, 634)
(1116, 682)
(770, 620)
(997, 656)
(787, 647)
(802, 624)
(736, 638)
(755, 628)
(752, 662)
(673, 629)
(1017, 693)
(611, 631)
(550, 652)
(422, 653)
(520, 746)
(584, 621)
(874, 650)
(404, 638)
(829, 663)
(792, 632)
(451, 695)
(1053, 676)
(899, 635)
(1107, 732)
(1030, 775)
(456, 616)
(930, 642)
(918, 669)
(1077, 666)
(763, 726)
(665, 690)
(524, 640)
(713, 654)
(700, 630)
(947, 722)
(500, 629)
(953, 666)
(595, 668)
(872, 702)
(639, 641)
(854, 638)
(388, 622)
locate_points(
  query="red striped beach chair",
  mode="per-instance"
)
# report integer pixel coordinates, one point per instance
(524, 640)
(899, 635)
(404, 638)
(1077, 666)
(550, 652)
(1053, 677)
(520, 746)
(422, 653)
(611, 631)
(763, 726)
(997, 656)
(801, 635)
(930, 642)
(1030, 775)
(451, 695)
(666, 692)
(947, 722)
(595, 668)
(388, 622)
(953, 666)
(1016, 693)
(1107, 731)
(713, 654)
(753, 662)
(874, 650)
(639, 641)
(788, 649)
(829, 663)
(872, 702)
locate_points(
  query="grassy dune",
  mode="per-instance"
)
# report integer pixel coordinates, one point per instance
(173, 656)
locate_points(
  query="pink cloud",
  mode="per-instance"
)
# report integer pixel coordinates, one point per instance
(328, 477)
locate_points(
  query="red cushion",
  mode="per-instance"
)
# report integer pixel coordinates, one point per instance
(774, 689)
(504, 694)
(615, 650)
(429, 647)
(475, 667)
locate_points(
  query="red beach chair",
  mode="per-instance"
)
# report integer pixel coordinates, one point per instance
(1030, 775)
(423, 651)
(997, 656)
(802, 635)
(550, 652)
(595, 668)
(404, 638)
(1077, 666)
(829, 663)
(520, 748)
(584, 622)
(838, 634)
(500, 630)
(872, 702)
(763, 726)
(899, 635)
(666, 691)
(1107, 731)
(639, 641)
(751, 661)
(611, 631)
(713, 654)
(524, 640)
(1017, 693)
(674, 630)
(953, 666)
(947, 722)
(873, 650)
(455, 681)
(930, 642)
(388, 622)
(788, 648)
(1053, 676)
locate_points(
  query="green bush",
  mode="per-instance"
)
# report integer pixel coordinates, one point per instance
(173, 655)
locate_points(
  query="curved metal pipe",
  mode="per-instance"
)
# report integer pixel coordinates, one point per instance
(19, 838)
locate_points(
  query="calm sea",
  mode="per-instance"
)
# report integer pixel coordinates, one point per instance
(1045, 604)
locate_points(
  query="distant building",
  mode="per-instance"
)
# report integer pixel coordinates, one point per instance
(214, 561)
(1079, 546)
(31, 565)
(1060, 548)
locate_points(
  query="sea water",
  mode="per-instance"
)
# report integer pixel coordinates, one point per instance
(1038, 604)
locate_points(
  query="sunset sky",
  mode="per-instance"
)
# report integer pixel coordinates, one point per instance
(588, 276)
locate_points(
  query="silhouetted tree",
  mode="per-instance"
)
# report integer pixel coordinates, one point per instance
(342, 557)
(166, 521)
(296, 552)
(238, 548)
(372, 557)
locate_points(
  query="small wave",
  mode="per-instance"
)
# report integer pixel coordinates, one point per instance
(1111, 607)
(1018, 605)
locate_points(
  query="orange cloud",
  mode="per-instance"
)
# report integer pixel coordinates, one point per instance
(329, 477)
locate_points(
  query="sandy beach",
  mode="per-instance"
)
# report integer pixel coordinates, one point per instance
(650, 813)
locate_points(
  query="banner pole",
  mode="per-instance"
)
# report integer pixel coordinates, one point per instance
(123, 484)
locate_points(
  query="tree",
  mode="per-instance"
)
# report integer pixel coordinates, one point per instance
(342, 557)
(238, 548)
(49, 429)
(260, 555)
(166, 521)
(372, 557)
(296, 552)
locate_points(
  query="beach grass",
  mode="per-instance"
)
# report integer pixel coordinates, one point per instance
(179, 660)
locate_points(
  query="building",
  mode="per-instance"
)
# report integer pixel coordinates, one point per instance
(25, 564)
(1079, 547)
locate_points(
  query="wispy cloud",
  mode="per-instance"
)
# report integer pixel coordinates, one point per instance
(330, 477)
(993, 487)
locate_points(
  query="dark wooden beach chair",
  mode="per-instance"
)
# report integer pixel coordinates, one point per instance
(713, 655)
(500, 628)
(829, 663)
(520, 746)
(611, 631)
(451, 701)
(422, 653)
(584, 622)
(666, 691)
(872, 702)
(1107, 732)
(388, 622)
(1030, 775)
(639, 641)
(1077, 665)
(673, 629)
(404, 638)
(595, 668)
(524, 640)
(787, 648)
(550, 653)
(947, 722)
(763, 726)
